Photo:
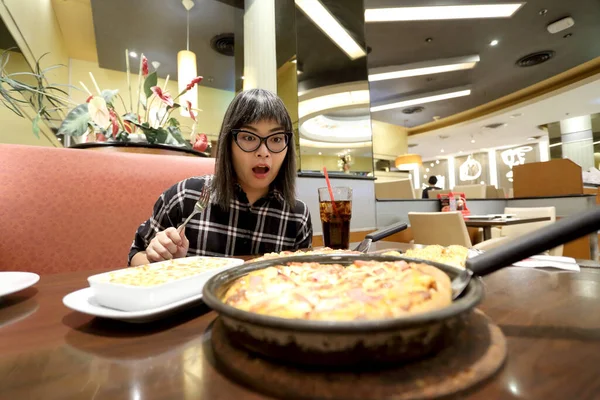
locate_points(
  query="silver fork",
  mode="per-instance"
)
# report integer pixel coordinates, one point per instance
(199, 206)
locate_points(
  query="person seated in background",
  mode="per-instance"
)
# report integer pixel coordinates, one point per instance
(432, 181)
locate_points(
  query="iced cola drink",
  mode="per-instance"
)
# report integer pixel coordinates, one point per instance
(335, 217)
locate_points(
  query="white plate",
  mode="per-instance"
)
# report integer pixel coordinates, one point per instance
(11, 282)
(83, 300)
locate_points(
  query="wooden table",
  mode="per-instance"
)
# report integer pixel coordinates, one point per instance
(488, 224)
(49, 352)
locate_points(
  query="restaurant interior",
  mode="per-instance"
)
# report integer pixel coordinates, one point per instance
(471, 125)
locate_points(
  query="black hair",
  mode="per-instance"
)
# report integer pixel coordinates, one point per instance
(432, 180)
(251, 106)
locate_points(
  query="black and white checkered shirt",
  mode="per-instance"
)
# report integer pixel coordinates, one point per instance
(269, 225)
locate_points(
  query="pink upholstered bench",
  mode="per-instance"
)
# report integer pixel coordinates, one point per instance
(71, 209)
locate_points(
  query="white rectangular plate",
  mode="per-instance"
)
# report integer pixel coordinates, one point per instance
(138, 298)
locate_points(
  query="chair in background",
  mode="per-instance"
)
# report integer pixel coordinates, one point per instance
(471, 191)
(443, 228)
(432, 194)
(400, 189)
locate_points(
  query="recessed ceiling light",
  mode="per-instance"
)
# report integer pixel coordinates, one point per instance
(442, 150)
(133, 54)
(424, 176)
(428, 40)
(543, 11)
(330, 26)
(423, 68)
(460, 152)
(437, 161)
(432, 164)
(494, 42)
(441, 12)
(426, 169)
(320, 153)
(472, 140)
(426, 98)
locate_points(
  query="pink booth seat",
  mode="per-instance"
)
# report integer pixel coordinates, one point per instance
(69, 209)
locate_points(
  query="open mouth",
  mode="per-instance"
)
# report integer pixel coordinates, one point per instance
(263, 169)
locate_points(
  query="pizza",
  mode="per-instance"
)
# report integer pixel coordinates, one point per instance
(288, 253)
(454, 255)
(364, 290)
(165, 271)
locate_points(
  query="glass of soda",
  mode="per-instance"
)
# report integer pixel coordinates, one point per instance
(335, 216)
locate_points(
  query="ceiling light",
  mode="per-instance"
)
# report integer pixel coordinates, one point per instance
(330, 26)
(442, 150)
(320, 153)
(423, 68)
(187, 69)
(349, 98)
(494, 42)
(430, 97)
(408, 161)
(472, 140)
(294, 61)
(242, 77)
(555, 144)
(133, 54)
(332, 145)
(426, 169)
(431, 165)
(424, 176)
(437, 161)
(441, 12)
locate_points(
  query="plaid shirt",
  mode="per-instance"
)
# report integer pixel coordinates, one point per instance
(269, 225)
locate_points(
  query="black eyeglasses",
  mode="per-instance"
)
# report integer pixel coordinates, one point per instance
(249, 142)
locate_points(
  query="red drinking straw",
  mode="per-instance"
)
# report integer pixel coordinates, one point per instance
(330, 190)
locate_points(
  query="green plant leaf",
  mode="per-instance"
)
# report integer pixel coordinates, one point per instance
(35, 126)
(151, 80)
(76, 121)
(109, 95)
(173, 122)
(174, 107)
(175, 133)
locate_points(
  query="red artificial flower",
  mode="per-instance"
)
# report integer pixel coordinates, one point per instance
(89, 98)
(144, 66)
(201, 143)
(193, 83)
(164, 96)
(130, 127)
(189, 108)
(114, 123)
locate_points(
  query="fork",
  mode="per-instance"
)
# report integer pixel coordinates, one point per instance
(198, 207)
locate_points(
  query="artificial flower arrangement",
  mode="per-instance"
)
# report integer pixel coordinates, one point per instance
(98, 116)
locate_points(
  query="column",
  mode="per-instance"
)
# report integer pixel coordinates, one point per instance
(260, 63)
(577, 141)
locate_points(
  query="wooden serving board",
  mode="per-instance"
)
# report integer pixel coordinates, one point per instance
(478, 352)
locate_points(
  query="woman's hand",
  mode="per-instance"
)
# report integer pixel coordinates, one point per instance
(167, 245)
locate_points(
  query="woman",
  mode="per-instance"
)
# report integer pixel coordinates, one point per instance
(253, 207)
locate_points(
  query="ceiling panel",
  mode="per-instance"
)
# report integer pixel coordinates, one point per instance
(158, 29)
(496, 75)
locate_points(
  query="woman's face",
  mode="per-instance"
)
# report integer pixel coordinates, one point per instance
(257, 169)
